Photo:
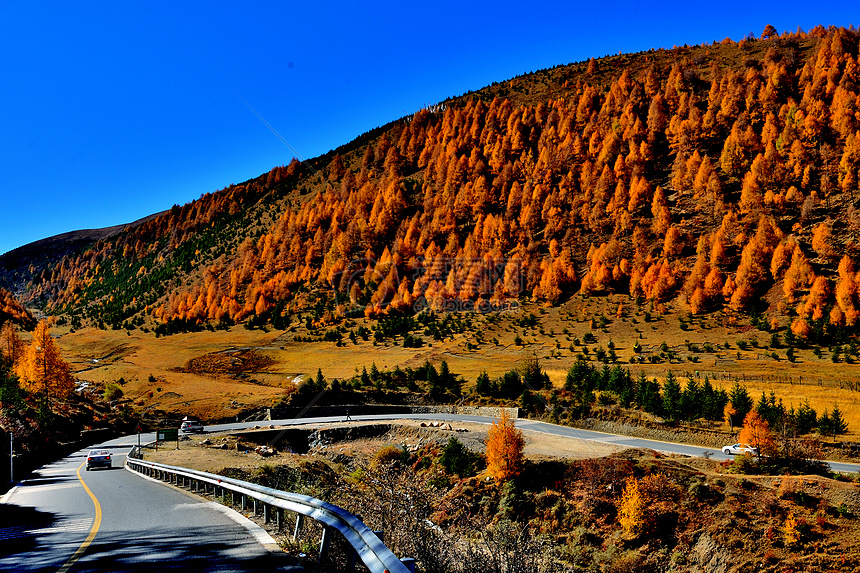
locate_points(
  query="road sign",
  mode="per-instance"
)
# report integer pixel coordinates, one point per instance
(166, 434)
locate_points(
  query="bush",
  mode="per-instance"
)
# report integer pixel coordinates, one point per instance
(744, 464)
(458, 460)
(387, 455)
(112, 391)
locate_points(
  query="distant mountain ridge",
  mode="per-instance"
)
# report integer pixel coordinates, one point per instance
(50, 249)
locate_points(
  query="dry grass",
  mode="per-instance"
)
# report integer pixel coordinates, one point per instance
(136, 356)
(192, 453)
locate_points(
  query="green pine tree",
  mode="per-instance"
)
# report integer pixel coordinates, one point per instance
(672, 397)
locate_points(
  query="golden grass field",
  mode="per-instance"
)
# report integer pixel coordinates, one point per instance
(136, 356)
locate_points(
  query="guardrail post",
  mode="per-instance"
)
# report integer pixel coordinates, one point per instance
(297, 529)
(410, 564)
(266, 510)
(255, 507)
(380, 535)
(244, 502)
(279, 518)
(324, 543)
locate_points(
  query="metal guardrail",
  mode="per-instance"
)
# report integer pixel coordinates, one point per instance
(366, 544)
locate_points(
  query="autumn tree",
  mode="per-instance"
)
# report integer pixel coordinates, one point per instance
(10, 343)
(756, 433)
(631, 510)
(790, 531)
(505, 445)
(41, 368)
(729, 413)
(822, 240)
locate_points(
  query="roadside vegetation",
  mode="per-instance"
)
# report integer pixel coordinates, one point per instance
(457, 509)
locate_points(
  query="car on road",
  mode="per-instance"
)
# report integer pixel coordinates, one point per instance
(737, 449)
(98, 458)
(189, 426)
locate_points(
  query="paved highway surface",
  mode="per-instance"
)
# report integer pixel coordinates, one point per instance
(67, 519)
(525, 424)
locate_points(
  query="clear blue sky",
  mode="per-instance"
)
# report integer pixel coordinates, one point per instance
(114, 111)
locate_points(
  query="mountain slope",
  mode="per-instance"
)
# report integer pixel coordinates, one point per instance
(718, 172)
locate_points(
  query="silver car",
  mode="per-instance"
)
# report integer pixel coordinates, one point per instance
(189, 426)
(98, 459)
(737, 449)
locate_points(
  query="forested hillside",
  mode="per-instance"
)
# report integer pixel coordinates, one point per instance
(717, 173)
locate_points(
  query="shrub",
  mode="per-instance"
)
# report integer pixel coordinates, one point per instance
(112, 391)
(458, 460)
(744, 464)
(387, 455)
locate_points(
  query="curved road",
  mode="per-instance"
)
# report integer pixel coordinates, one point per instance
(67, 519)
(526, 424)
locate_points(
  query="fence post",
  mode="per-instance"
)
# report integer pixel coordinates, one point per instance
(297, 529)
(324, 543)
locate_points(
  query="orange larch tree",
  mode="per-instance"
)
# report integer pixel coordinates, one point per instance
(41, 368)
(504, 448)
(756, 433)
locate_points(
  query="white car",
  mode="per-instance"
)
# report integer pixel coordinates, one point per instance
(736, 449)
(98, 459)
(189, 426)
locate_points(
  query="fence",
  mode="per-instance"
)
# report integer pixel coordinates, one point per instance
(273, 503)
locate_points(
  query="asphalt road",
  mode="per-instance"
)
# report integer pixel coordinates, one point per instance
(525, 424)
(68, 519)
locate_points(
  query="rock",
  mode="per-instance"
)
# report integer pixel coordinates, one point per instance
(265, 451)
(711, 557)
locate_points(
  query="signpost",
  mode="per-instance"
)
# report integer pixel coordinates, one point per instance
(166, 434)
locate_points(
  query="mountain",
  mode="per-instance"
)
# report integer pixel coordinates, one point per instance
(724, 174)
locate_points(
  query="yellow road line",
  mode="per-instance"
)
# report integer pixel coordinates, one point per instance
(95, 528)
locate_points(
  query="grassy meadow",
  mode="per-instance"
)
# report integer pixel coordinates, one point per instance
(719, 345)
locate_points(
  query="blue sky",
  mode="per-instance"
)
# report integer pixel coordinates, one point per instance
(111, 112)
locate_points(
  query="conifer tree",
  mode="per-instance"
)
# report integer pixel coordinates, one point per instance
(632, 508)
(740, 401)
(505, 445)
(672, 397)
(41, 368)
